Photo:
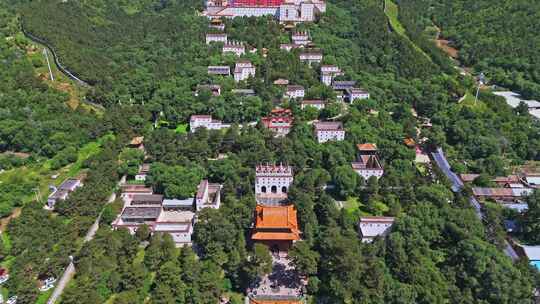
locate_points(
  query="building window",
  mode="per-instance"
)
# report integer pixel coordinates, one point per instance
(263, 189)
(273, 189)
(284, 189)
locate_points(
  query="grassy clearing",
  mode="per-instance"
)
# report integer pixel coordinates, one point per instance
(7, 262)
(469, 101)
(352, 204)
(392, 12)
(24, 184)
(44, 296)
(6, 241)
(181, 129)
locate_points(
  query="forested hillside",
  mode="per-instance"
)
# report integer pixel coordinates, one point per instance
(144, 60)
(35, 118)
(496, 37)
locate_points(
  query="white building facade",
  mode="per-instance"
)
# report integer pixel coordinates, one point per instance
(315, 103)
(329, 131)
(208, 195)
(273, 179)
(311, 57)
(295, 91)
(354, 94)
(205, 121)
(236, 48)
(328, 72)
(220, 37)
(371, 227)
(290, 11)
(244, 70)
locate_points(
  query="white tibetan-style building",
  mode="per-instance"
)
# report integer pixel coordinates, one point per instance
(318, 104)
(328, 73)
(329, 131)
(220, 70)
(243, 70)
(295, 91)
(355, 93)
(311, 56)
(368, 163)
(273, 179)
(218, 37)
(371, 227)
(234, 47)
(300, 38)
(206, 121)
(208, 195)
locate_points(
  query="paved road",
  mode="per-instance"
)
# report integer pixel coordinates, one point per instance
(66, 278)
(457, 185)
(443, 164)
(70, 270)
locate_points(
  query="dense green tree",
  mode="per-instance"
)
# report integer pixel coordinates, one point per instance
(175, 182)
(304, 259)
(259, 262)
(531, 219)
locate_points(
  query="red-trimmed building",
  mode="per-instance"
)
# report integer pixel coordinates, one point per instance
(256, 2)
(279, 121)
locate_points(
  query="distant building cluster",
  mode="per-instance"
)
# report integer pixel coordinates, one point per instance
(509, 191)
(285, 11)
(162, 215)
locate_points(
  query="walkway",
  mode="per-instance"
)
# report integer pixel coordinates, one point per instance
(69, 273)
(457, 185)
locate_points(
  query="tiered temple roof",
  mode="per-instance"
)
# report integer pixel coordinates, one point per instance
(276, 223)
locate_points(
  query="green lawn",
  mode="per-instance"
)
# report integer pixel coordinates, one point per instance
(44, 296)
(355, 208)
(181, 128)
(392, 12)
(38, 177)
(352, 204)
(7, 262)
(6, 241)
(469, 101)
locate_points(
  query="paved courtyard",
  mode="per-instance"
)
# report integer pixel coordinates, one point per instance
(283, 283)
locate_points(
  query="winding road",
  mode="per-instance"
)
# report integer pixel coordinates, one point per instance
(457, 186)
(69, 273)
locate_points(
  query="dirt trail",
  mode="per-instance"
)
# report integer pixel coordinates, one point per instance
(444, 45)
(5, 221)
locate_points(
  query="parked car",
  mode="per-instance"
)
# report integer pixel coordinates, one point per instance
(47, 284)
(4, 275)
